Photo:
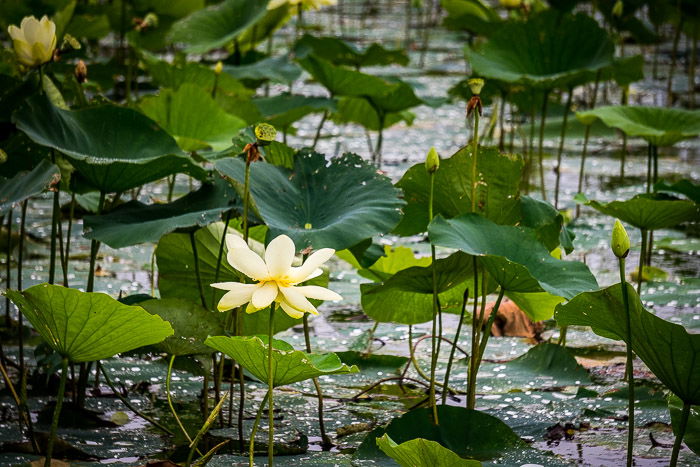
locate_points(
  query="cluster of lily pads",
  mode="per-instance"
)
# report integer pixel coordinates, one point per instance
(238, 256)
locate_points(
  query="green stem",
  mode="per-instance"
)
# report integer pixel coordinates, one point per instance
(587, 135)
(475, 152)
(487, 330)
(685, 414)
(655, 166)
(623, 151)
(629, 366)
(23, 410)
(56, 211)
(8, 268)
(246, 199)
(446, 384)
(471, 376)
(325, 440)
(320, 127)
(20, 317)
(436, 310)
(94, 248)
(128, 404)
(270, 389)
(57, 411)
(170, 400)
(543, 118)
(195, 257)
(370, 338)
(560, 150)
(251, 445)
(641, 261)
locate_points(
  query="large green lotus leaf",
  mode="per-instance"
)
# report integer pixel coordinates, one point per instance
(193, 117)
(547, 222)
(548, 50)
(538, 306)
(360, 110)
(340, 52)
(114, 148)
(660, 126)
(512, 255)
(283, 110)
(473, 16)
(177, 278)
(266, 26)
(551, 361)
(277, 69)
(421, 452)
(407, 296)
(322, 204)
(649, 211)
(393, 260)
(471, 434)
(216, 25)
(666, 348)
(692, 431)
(24, 185)
(498, 194)
(86, 326)
(685, 187)
(288, 365)
(191, 323)
(134, 222)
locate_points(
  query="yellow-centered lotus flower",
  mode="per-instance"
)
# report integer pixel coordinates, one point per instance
(275, 278)
(34, 41)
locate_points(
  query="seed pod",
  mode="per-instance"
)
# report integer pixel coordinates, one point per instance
(80, 72)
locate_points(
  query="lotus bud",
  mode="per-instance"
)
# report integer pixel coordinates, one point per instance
(80, 72)
(618, 8)
(620, 243)
(70, 43)
(219, 67)
(3, 156)
(265, 133)
(34, 41)
(432, 161)
(151, 20)
(476, 84)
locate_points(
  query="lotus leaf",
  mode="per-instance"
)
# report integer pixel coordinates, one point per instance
(84, 326)
(421, 452)
(24, 185)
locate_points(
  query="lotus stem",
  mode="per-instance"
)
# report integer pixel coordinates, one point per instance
(251, 445)
(8, 268)
(56, 211)
(195, 257)
(370, 338)
(319, 129)
(170, 400)
(560, 150)
(672, 68)
(640, 271)
(501, 123)
(205, 427)
(543, 119)
(128, 404)
(623, 151)
(446, 384)
(629, 366)
(94, 248)
(20, 317)
(325, 440)
(471, 376)
(685, 414)
(270, 389)
(692, 66)
(57, 411)
(530, 149)
(586, 137)
(650, 156)
(380, 138)
(436, 308)
(246, 199)
(24, 414)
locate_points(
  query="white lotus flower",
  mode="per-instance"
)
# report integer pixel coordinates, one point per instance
(34, 41)
(276, 279)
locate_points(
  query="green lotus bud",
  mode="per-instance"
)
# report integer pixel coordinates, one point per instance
(265, 133)
(219, 67)
(3, 156)
(620, 242)
(618, 8)
(432, 161)
(476, 84)
(151, 20)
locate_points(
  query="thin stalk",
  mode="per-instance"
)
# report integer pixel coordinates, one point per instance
(270, 389)
(320, 127)
(20, 317)
(246, 199)
(56, 211)
(672, 68)
(205, 427)
(487, 330)
(630, 368)
(655, 165)
(380, 139)
(560, 150)
(8, 268)
(325, 440)
(370, 338)
(530, 148)
(57, 411)
(685, 414)
(436, 309)
(623, 152)
(128, 404)
(21, 408)
(543, 118)
(454, 346)
(586, 137)
(641, 261)
(471, 376)
(195, 257)
(650, 157)
(94, 248)
(692, 67)
(501, 123)
(251, 445)
(170, 401)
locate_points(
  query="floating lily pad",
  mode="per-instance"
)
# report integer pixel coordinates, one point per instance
(192, 117)
(660, 126)
(498, 196)
(24, 185)
(407, 296)
(666, 348)
(548, 50)
(513, 256)
(421, 452)
(191, 323)
(86, 326)
(365, 362)
(134, 222)
(651, 211)
(289, 365)
(216, 25)
(114, 148)
(322, 204)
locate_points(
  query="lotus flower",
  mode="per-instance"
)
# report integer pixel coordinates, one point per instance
(275, 278)
(34, 41)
